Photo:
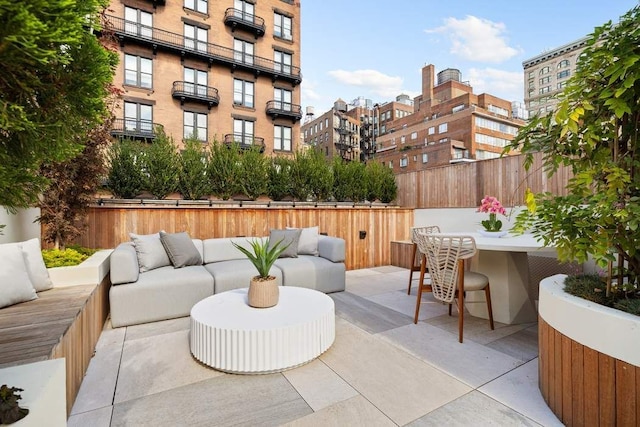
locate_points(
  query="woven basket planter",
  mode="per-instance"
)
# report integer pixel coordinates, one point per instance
(263, 293)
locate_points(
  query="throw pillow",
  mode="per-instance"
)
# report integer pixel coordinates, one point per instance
(308, 244)
(150, 252)
(180, 248)
(36, 269)
(15, 285)
(288, 237)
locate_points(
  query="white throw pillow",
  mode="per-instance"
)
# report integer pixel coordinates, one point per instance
(308, 242)
(15, 285)
(151, 253)
(36, 269)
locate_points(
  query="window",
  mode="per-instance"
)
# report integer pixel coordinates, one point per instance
(282, 26)
(443, 128)
(197, 5)
(243, 51)
(390, 164)
(431, 130)
(195, 126)
(138, 117)
(402, 139)
(283, 100)
(282, 138)
(326, 122)
(244, 10)
(138, 71)
(498, 110)
(563, 74)
(531, 74)
(195, 81)
(563, 64)
(425, 158)
(414, 135)
(138, 22)
(282, 61)
(243, 131)
(545, 89)
(491, 140)
(243, 93)
(531, 84)
(545, 70)
(545, 80)
(195, 38)
(497, 126)
(457, 108)
(403, 162)
(562, 85)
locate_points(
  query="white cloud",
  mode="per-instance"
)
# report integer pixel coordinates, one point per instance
(504, 84)
(371, 80)
(477, 39)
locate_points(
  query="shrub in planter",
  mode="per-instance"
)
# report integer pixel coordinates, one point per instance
(193, 182)
(349, 181)
(301, 171)
(125, 179)
(279, 178)
(160, 165)
(381, 183)
(252, 173)
(68, 257)
(223, 170)
(320, 177)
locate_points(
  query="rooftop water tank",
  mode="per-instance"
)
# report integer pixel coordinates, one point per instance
(449, 74)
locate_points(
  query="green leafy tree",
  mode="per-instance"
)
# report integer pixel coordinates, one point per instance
(388, 185)
(301, 170)
(594, 131)
(125, 178)
(252, 173)
(340, 179)
(349, 180)
(223, 169)
(320, 176)
(279, 178)
(54, 82)
(376, 176)
(160, 165)
(193, 182)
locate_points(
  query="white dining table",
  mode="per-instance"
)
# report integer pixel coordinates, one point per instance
(504, 261)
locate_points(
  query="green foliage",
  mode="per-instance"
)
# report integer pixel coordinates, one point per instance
(381, 183)
(320, 177)
(349, 181)
(629, 305)
(301, 171)
(279, 178)
(125, 178)
(193, 182)
(594, 132)
(262, 256)
(160, 165)
(588, 286)
(252, 173)
(55, 78)
(223, 169)
(10, 410)
(63, 258)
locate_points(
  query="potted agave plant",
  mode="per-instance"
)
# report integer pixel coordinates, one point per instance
(263, 288)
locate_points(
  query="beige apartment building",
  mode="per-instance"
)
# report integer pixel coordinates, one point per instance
(216, 70)
(546, 75)
(449, 124)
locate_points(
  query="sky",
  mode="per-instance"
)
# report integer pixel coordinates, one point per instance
(376, 48)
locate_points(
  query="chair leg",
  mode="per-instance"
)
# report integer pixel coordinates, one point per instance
(413, 258)
(460, 299)
(423, 268)
(487, 294)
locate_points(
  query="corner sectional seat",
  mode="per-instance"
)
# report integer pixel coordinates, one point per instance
(167, 292)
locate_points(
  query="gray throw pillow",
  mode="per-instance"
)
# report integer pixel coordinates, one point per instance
(150, 252)
(308, 244)
(180, 249)
(288, 237)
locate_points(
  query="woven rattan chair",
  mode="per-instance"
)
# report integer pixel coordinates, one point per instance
(422, 267)
(445, 255)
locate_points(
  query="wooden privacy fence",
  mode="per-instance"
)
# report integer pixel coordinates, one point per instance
(463, 185)
(110, 225)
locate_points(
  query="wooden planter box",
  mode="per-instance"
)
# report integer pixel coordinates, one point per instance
(589, 359)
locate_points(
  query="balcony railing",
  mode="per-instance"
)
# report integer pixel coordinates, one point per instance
(212, 53)
(185, 91)
(244, 141)
(133, 128)
(284, 109)
(236, 18)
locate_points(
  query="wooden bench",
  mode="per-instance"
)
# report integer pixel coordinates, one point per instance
(64, 322)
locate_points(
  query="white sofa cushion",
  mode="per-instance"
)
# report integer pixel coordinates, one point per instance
(151, 254)
(15, 285)
(36, 269)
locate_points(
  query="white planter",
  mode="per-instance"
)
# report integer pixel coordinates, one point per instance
(90, 272)
(606, 330)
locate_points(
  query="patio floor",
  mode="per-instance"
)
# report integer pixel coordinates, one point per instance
(382, 370)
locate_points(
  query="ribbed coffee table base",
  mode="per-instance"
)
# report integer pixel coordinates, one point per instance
(229, 335)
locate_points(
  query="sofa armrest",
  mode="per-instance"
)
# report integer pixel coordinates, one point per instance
(124, 264)
(331, 248)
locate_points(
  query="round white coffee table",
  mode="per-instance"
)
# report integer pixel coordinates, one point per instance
(229, 335)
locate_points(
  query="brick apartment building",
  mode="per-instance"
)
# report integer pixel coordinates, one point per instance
(449, 124)
(218, 70)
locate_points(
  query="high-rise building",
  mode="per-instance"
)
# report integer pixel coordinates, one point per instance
(449, 124)
(546, 75)
(215, 70)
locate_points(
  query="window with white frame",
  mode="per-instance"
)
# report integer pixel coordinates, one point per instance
(195, 81)
(282, 26)
(491, 140)
(243, 51)
(195, 38)
(497, 126)
(431, 130)
(282, 99)
(138, 71)
(283, 61)
(390, 164)
(243, 131)
(194, 125)
(404, 162)
(138, 22)
(402, 139)
(244, 10)
(138, 117)
(442, 128)
(282, 138)
(243, 93)
(498, 110)
(414, 135)
(197, 5)
(425, 158)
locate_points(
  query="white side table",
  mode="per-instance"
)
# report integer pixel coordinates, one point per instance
(229, 335)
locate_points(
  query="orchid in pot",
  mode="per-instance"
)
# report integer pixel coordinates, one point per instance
(493, 207)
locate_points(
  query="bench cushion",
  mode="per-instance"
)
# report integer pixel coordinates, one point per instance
(237, 273)
(308, 271)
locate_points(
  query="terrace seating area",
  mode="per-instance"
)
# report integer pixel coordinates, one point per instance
(381, 370)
